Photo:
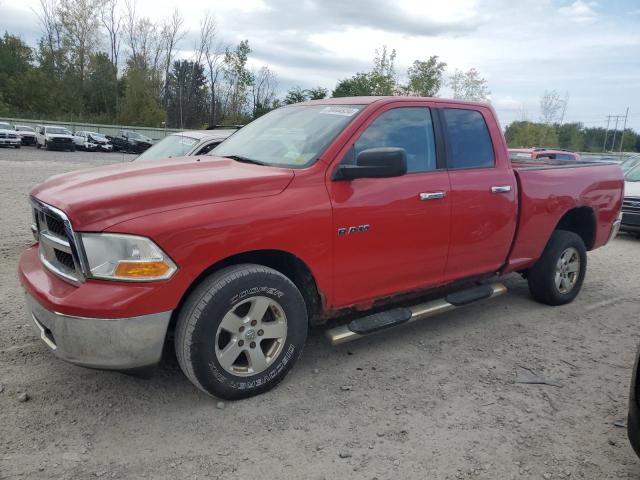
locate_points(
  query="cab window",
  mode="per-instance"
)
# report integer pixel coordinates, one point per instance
(410, 128)
(469, 143)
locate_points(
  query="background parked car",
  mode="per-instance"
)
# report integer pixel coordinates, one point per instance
(184, 144)
(130, 142)
(8, 136)
(92, 141)
(631, 202)
(53, 137)
(543, 153)
(27, 134)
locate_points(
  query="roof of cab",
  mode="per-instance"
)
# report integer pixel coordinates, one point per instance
(385, 99)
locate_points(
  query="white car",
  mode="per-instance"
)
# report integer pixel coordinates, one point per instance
(92, 141)
(52, 137)
(8, 136)
(27, 134)
(631, 202)
(186, 144)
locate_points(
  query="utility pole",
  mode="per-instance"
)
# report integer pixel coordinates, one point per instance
(626, 114)
(606, 133)
(615, 132)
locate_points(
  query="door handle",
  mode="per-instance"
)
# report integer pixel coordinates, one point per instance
(424, 196)
(501, 189)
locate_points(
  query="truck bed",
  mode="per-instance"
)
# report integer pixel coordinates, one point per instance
(548, 189)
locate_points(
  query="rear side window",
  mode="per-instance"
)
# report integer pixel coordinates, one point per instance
(469, 140)
(410, 128)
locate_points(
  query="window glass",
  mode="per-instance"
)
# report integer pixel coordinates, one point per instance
(469, 139)
(171, 146)
(293, 136)
(409, 128)
(563, 156)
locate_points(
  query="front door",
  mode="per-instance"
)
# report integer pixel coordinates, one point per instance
(391, 234)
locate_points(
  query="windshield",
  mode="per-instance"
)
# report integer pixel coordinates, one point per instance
(633, 175)
(171, 146)
(24, 129)
(5, 126)
(58, 130)
(137, 136)
(290, 136)
(97, 136)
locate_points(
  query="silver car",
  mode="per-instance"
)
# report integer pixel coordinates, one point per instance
(186, 144)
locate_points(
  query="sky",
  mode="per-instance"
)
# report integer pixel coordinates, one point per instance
(588, 50)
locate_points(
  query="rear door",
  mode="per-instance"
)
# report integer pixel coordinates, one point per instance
(391, 234)
(483, 192)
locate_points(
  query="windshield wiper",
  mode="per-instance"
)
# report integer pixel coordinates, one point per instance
(240, 158)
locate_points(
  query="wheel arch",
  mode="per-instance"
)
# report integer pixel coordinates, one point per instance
(582, 222)
(284, 262)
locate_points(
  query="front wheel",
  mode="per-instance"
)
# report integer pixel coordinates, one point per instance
(556, 279)
(241, 331)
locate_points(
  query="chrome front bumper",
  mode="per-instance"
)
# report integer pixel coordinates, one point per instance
(114, 344)
(615, 228)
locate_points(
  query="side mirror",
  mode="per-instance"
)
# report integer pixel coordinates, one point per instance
(375, 163)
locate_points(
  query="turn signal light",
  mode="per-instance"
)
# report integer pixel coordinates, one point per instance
(141, 269)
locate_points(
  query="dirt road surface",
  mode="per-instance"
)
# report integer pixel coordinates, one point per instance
(433, 400)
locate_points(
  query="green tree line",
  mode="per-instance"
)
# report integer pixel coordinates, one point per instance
(572, 136)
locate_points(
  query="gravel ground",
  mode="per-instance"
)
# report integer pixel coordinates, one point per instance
(433, 400)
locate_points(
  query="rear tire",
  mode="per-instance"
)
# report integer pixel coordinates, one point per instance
(241, 331)
(557, 277)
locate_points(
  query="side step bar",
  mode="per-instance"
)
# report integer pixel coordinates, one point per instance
(376, 322)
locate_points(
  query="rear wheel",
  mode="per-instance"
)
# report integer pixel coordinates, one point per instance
(557, 277)
(241, 331)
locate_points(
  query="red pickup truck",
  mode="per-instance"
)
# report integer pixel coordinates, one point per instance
(313, 210)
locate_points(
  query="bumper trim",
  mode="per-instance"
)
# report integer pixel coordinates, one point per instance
(112, 344)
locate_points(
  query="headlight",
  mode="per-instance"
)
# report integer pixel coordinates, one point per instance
(126, 257)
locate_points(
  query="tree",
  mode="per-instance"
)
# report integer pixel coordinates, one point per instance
(80, 32)
(140, 104)
(383, 76)
(171, 35)
(112, 22)
(551, 105)
(425, 77)
(529, 134)
(358, 85)
(295, 95)
(101, 87)
(316, 93)
(239, 79)
(187, 95)
(263, 92)
(469, 85)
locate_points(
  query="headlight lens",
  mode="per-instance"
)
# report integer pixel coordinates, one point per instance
(114, 256)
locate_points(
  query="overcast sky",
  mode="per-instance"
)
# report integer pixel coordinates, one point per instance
(522, 47)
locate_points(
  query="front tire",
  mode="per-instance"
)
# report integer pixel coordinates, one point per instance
(557, 277)
(241, 331)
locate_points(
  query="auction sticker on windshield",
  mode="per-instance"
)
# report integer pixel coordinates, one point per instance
(342, 111)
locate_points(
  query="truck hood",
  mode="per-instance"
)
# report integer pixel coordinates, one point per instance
(98, 198)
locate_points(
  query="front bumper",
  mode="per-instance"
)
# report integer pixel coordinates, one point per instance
(114, 344)
(10, 141)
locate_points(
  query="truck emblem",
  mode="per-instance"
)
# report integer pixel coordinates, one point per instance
(355, 229)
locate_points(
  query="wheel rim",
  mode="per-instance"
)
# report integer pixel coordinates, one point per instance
(567, 270)
(251, 335)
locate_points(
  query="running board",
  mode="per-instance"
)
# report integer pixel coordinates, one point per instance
(376, 322)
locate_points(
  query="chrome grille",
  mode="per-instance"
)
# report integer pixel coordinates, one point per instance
(58, 248)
